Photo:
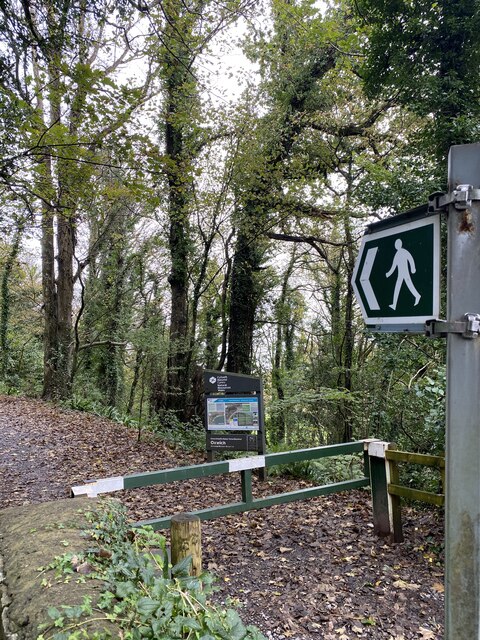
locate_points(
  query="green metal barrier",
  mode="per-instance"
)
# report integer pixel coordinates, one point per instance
(244, 466)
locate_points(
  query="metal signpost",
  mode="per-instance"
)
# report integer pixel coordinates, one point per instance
(462, 500)
(233, 412)
(462, 329)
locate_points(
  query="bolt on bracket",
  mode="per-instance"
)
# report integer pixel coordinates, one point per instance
(469, 327)
(461, 197)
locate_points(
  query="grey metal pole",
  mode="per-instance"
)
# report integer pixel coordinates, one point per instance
(462, 576)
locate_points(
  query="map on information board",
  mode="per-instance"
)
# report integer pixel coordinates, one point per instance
(233, 414)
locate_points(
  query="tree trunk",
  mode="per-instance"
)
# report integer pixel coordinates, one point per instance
(5, 301)
(349, 340)
(136, 377)
(180, 94)
(224, 310)
(65, 252)
(244, 299)
(113, 291)
(282, 357)
(58, 292)
(177, 373)
(49, 305)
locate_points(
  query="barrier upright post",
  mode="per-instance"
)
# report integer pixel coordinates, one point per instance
(387, 519)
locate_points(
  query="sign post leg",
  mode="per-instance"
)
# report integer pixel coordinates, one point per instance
(462, 550)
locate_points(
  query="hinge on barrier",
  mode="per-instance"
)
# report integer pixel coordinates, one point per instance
(461, 198)
(469, 327)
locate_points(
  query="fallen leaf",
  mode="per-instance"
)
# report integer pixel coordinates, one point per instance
(401, 584)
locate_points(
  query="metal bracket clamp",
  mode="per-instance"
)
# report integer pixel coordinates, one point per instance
(469, 327)
(461, 198)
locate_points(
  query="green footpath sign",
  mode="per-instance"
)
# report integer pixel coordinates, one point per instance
(397, 274)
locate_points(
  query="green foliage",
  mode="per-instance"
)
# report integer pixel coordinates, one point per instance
(430, 394)
(189, 436)
(403, 401)
(307, 412)
(21, 358)
(337, 469)
(404, 393)
(80, 403)
(323, 471)
(428, 401)
(427, 55)
(402, 181)
(143, 595)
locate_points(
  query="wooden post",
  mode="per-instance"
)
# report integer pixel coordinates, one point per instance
(186, 540)
(395, 501)
(378, 483)
(443, 485)
(386, 508)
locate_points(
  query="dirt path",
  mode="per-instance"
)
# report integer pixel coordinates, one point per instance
(310, 569)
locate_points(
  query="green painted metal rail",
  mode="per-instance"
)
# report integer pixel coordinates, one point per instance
(244, 466)
(261, 503)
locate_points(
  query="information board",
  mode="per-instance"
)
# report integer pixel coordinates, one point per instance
(232, 441)
(225, 382)
(233, 413)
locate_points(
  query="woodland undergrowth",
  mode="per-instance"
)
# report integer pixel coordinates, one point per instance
(143, 596)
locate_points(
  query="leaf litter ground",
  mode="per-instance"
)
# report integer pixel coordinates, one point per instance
(311, 569)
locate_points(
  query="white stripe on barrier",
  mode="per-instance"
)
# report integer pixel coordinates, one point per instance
(81, 489)
(92, 489)
(241, 464)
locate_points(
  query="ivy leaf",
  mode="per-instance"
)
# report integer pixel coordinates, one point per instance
(147, 607)
(182, 568)
(53, 613)
(237, 628)
(125, 589)
(145, 632)
(183, 623)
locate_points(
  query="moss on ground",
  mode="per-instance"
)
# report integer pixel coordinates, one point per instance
(31, 537)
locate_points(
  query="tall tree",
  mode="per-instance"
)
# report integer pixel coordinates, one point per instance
(52, 67)
(184, 30)
(177, 57)
(302, 56)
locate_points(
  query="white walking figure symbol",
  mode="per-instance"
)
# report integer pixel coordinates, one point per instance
(405, 264)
